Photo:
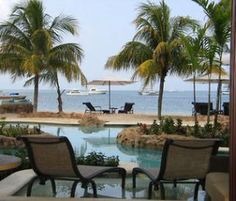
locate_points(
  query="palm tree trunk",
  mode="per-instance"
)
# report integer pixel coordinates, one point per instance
(194, 99)
(36, 92)
(59, 99)
(160, 97)
(218, 95)
(209, 99)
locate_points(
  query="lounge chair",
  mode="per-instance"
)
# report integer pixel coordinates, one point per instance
(52, 158)
(127, 108)
(181, 161)
(94, 109)
(202, 108)
(226, 108)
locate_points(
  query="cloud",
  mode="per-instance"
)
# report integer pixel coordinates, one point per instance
(5, 8)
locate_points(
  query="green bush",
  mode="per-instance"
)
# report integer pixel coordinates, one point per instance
(98, 159)
(155, 128)
(15, 130)
(169, 126)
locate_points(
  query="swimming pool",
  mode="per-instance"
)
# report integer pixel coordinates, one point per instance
(85, 140)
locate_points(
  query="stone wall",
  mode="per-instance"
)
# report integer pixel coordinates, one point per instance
(10, 142)
(16, 108)
(133, 137)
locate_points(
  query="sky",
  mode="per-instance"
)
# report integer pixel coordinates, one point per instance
(104, 27)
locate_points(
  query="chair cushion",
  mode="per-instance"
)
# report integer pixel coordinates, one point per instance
(217, 186)
(90, 172)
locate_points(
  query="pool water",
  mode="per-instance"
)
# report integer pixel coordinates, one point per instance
(110, 188)
(85, 140)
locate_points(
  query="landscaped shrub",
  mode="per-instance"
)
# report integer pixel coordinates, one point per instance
(169, 126)
(98, 159)
(89, 120)
(14, 130)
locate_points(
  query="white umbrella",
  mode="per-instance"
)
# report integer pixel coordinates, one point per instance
(204, 79)
(110, 81)
(213, 79)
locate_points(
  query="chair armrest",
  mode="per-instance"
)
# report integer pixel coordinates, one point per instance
(219, 164)
(98, 107)
(122, 107)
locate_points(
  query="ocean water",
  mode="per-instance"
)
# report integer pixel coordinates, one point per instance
(174, 102)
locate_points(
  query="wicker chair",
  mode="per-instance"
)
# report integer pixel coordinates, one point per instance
(52, 158)
(183, 161)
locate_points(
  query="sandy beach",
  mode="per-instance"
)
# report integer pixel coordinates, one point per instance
(109, 119)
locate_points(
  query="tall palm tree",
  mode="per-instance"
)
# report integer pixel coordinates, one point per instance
(193, 48)
(155, 47)
(219, 17)
(62, 59)
(27, 39)
(210, 66)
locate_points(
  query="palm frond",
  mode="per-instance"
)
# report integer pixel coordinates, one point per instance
(132, 55)
(147, 72)
(63, 24)
(70, 52)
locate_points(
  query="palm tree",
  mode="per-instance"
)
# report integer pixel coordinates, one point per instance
(27, 39)
(219, 18)
(193, 48)
(62, 59)
(210, 66)
(155, 47)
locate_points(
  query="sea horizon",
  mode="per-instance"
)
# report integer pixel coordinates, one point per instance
(174, 102)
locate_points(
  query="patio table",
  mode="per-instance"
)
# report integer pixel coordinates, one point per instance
(8, 162)
(113, 109)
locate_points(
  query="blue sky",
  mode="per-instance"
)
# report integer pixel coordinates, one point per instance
(104, 27)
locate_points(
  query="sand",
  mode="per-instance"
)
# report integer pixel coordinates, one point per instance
(110, 119)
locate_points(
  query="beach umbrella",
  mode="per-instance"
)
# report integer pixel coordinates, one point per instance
(110, 81)
(204, 79)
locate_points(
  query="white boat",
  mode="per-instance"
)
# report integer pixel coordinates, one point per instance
(12, 96)
(91, 91)
(226, 89)
(94, 91)
(149, 93)
(77, 92)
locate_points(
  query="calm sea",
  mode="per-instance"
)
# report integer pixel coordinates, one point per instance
(174, 102)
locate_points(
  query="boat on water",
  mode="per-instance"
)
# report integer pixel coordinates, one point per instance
(15, 96)
(225, 90)
(91, 91)
(148, 93)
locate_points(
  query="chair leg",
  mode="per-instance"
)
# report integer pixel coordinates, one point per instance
(94, 189)
(150, 190)
(175, 184)
(29, 189)
(73, 188)
(134, 179)
(196, 191)
(203, 183)
(123, 193)
(156, 187)
(162, 191)
(123, 176)
(53, 187)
